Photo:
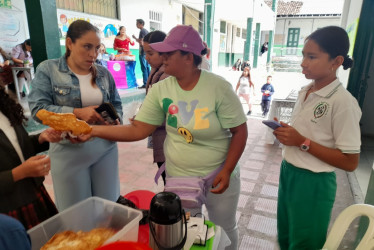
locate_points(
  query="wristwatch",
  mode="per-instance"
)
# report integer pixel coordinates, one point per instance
(305, 145)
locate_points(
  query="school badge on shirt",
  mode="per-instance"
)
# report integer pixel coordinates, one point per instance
(320, 110)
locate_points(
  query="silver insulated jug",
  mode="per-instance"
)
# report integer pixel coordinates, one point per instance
(166, 219)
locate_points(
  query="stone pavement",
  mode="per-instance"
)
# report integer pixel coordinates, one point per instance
(256, 214)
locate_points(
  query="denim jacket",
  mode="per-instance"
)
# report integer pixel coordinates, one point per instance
(56, 88)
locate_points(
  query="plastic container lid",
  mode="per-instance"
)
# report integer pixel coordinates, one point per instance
(141, 198)
(120, 245)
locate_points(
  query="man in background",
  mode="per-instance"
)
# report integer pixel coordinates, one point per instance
(143, 63)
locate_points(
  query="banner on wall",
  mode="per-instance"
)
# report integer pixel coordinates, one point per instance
(352, 33)
(12, 30)
(108, 27)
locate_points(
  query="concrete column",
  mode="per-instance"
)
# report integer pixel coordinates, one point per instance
(43, 27)
(247, 44)
(272, 32)
(257, 44)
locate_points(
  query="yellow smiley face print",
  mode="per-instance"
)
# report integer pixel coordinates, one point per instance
(186, 134)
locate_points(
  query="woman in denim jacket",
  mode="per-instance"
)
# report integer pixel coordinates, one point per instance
(74, 84)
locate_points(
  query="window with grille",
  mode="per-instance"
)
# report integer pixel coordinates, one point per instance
(222, 27)
(106, 8)
(244, 33)
(201, 22)
(238, 32)
(155, 20)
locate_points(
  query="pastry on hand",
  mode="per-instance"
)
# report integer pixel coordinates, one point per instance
(64, 122)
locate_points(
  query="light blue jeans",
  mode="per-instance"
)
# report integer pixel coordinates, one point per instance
(222, 209)
(80, 171)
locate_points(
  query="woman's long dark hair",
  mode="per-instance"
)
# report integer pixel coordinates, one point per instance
(119, 30)
(154, 36)
(76, 30)
(11, 109)
(26, 42)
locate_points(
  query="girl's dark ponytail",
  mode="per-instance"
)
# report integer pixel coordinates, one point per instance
(348, 62)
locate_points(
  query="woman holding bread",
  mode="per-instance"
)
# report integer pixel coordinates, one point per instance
(74, 84)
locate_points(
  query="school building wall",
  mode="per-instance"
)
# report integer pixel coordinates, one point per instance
(306, 26)
(15, 26)
(225, 48)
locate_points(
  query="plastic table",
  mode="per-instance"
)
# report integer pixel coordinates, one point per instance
(15, 71)
(282, 109)
(118, 70)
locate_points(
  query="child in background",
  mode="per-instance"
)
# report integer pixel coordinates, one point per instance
(324, 134)
(237, 64)
(267, 91)
(245, 64)
(246, 86)
(102, 57)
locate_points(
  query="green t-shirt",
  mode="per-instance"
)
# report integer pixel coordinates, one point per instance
(197, 122)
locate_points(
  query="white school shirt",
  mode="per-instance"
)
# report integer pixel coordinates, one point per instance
(330, 117)
(9, 132)
(90, 95)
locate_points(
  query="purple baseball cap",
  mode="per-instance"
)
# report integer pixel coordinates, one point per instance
(181, 37)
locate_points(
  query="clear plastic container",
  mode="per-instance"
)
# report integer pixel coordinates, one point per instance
(91, 213)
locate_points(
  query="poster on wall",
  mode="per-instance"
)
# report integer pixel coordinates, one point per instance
(6, 4)
(352, 33)
(12, 30)
(108, 27)
(222, 43)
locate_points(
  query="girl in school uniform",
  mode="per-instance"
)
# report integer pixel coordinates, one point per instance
(323, 134)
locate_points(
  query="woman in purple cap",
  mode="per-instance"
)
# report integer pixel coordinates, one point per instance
(205, 124)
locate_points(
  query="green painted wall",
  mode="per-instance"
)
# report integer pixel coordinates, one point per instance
(224, 58)
(221, 59)
(235, 57)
